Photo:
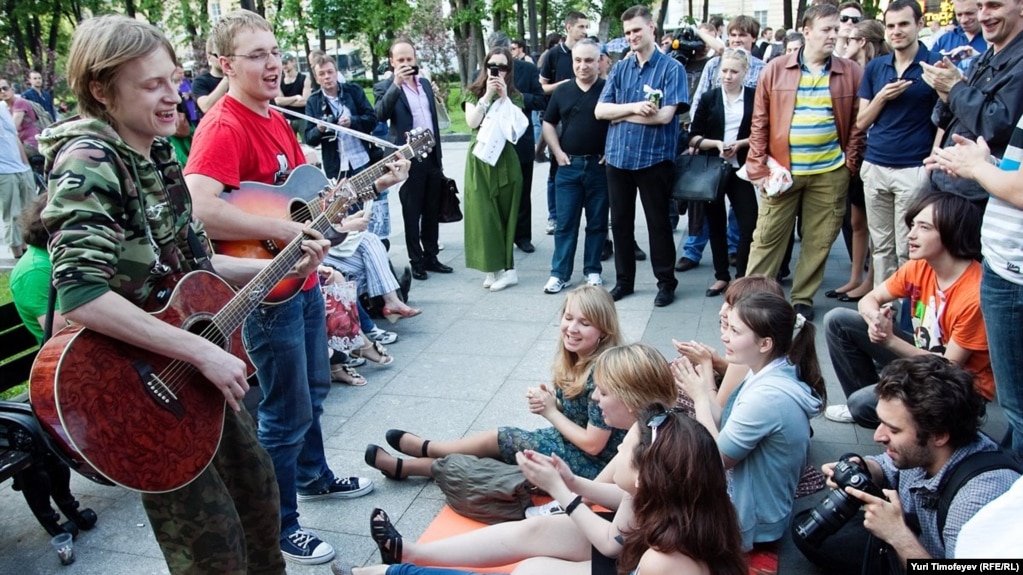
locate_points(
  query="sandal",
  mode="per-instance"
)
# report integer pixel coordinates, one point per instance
(394, 440)
(387, 538)
(371, 459)
(341, 373)
(373, 348)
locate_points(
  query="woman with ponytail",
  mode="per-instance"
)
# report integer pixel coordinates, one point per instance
(763, 431)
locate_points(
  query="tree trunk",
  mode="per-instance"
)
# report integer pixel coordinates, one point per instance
(520, 19)
(800, 10)
(661, 16)
(706, 10)
(534, 40)
(247, 5)
(544, 9)
(691, 14)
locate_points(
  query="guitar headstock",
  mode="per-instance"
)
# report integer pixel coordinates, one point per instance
(421, 142)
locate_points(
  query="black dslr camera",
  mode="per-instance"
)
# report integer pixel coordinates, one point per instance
(838, 507)
(687, 43)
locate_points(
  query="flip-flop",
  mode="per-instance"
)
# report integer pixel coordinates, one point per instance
(394, 440)
(387, 538)
(371, 460)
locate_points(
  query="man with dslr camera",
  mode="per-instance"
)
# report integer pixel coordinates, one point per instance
(930, 423)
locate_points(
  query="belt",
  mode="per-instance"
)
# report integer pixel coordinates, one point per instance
(585, 157)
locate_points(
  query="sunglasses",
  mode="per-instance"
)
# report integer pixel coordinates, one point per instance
(4, 88)
(498, 67)
(658, 420)
(853, 19)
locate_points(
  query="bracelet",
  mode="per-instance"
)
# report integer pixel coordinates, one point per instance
(484, 107)
(698, 142)
(575, 503)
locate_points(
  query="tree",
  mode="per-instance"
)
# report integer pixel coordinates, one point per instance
(428, 30)
(189, 17)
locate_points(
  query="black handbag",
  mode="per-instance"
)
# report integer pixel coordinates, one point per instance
(700, 178)
(449, 209)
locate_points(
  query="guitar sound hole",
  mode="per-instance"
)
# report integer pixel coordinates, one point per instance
(206, 329)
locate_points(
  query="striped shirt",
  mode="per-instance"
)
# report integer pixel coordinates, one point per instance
(632, 146)
(1000, 238)
(814, 147)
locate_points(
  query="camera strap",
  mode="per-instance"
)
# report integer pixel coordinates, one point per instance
(969, 467)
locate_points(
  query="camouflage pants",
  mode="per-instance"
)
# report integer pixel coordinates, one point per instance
(227, 521)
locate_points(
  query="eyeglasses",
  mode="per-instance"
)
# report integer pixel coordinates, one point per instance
(498, 67)
(853, 19)
(851, 38)
(658, 420)
(258, 57)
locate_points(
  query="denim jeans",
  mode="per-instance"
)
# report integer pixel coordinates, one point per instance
(695, 244)
(856, 359)
(410, 569)
(287, 346)
(581, 185)
(1001, 302)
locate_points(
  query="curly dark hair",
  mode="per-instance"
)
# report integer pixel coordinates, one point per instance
(939, 395)
(681, 503)
(32, 229)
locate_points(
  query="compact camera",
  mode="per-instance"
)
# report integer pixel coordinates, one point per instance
(838, 507)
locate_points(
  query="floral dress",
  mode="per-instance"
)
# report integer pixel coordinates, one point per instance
(582, 411)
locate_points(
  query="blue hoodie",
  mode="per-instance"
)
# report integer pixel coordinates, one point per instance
(765, 426)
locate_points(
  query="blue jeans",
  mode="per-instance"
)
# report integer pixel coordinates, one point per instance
(410, 569)
(581, 185)
(694, 246)
(1001, 302)
(366, 323)
(287, 346)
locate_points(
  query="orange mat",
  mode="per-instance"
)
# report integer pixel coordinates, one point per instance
(448, 524)
(762, 561)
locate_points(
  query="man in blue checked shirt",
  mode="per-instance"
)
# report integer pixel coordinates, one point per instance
(642, 97)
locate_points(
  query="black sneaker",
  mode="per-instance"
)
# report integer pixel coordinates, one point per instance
(341, 488)
(306, 548)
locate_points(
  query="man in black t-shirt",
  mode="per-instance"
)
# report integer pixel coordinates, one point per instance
(555, 69)
(209, 86)
(581, 181)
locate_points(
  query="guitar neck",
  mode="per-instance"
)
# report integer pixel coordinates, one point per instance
(336, 202)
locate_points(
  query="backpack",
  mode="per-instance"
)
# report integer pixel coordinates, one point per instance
(43, 118)
(968, 468)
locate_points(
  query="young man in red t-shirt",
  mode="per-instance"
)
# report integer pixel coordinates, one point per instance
(242, 139)
(942, 281)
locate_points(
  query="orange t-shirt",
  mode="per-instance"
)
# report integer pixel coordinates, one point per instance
(941, 316)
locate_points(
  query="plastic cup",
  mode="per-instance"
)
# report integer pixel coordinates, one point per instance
(64, 547)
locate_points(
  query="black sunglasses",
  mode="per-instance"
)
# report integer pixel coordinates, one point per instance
(853, 19)
(4, 88)
(498, 67)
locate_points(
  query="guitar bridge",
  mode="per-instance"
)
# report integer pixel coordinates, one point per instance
(158, 391)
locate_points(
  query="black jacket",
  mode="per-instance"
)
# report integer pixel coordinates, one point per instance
(364, 119)
(710, 118)
(392, 107)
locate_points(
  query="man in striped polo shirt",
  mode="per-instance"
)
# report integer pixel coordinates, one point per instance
(805, 118)
(643, 95)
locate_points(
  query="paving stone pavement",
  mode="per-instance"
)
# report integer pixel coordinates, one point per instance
(460, 367)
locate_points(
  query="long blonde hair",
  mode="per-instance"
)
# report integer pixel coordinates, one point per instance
(596, 305)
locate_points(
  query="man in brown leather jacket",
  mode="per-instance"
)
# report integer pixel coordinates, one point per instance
(805, 118)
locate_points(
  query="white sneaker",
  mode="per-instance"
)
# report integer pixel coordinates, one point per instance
(489, 279)
(554, 285)
(549, 508)
(839, 413)
(594, 280)
(508, 278)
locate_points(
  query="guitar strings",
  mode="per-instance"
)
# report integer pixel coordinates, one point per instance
(175, 376)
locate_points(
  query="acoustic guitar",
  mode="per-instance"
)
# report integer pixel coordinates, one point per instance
(300, 199)
(123, 415)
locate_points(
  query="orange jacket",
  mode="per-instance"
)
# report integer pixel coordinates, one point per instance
(776, 101)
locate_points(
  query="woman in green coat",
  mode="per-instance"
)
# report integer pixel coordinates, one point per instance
(492, 192)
